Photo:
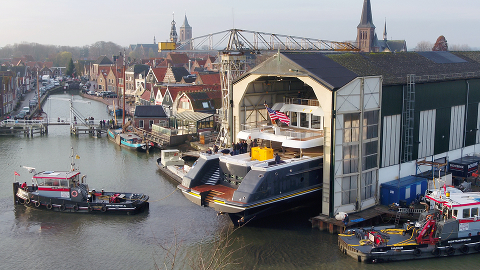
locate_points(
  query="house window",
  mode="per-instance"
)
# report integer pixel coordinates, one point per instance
(205, 105)
(140, 124)
(150, 123)
(185, 105)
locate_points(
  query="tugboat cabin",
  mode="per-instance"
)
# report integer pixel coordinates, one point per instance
(56, 184)
(460, 207)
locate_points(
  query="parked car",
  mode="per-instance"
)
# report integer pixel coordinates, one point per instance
(26, 110)
(20, 115)
(112, 95)
(91, 92)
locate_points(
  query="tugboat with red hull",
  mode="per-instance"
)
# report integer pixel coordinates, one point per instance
(449, 226)
(66, 191)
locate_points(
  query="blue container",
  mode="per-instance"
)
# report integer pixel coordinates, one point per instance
(404, 189)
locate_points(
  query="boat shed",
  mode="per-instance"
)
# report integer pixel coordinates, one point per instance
(145, 116)
(382, 112)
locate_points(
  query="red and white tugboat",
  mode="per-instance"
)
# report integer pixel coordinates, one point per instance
(66, 191)
(449, 226)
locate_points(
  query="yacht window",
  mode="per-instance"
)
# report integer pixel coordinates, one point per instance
(455, 213)
(293, 119)
(466, 213)
(304, 120)
(474, 212)
(316, 122)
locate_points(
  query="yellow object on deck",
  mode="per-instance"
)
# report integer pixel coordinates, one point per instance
(262, 154)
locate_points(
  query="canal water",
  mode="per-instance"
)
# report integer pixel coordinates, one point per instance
(173, 234)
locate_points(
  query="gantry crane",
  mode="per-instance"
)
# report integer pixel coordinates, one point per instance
(234, 44)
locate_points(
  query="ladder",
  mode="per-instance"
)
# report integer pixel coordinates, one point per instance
(408, 112)
(397, 218)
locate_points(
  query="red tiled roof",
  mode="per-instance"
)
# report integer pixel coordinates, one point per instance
(201, 63)
(160, 73)
(146, 95)
(211, 79)
(178, 58)
(48, 64)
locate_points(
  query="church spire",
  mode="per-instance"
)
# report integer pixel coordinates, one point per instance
(185, 22)
(366, 20)
(173, 31)
(385, 30)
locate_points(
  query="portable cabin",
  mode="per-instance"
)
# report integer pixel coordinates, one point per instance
(464, 167)
(404, 189)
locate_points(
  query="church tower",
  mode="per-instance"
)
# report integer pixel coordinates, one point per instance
(173, 31)
(186, 33)
(185, 30)
(366, 29)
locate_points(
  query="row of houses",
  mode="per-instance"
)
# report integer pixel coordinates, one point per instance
(19, 76)
(172, 92)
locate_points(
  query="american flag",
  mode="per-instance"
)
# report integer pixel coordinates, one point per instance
(273, 115)
(278, 115)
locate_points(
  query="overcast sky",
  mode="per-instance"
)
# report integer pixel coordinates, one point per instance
(84, 22)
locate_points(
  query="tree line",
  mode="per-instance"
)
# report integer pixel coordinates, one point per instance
(60, 55)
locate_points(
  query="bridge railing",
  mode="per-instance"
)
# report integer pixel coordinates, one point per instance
(21, 122)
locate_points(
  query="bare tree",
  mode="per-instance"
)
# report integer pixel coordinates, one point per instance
(459, 48)
(220, 253)
(423, 46)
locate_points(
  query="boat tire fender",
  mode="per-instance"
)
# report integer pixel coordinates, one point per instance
(436, 252)
(450, 251)
(37, 204)
(49, 206)
(75, 208)
(27, 201)
(464, 249)
(62, 207)
(417, 252)
(104, 209)
(477, 247)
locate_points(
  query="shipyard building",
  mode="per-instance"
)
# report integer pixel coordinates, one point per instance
(377, 113)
